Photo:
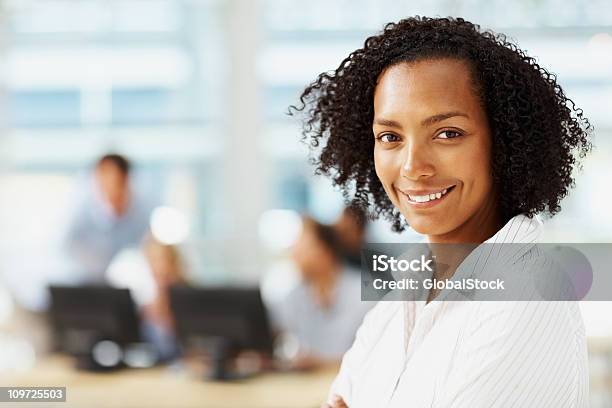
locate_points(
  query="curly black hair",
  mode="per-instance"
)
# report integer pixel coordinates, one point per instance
(538, 133)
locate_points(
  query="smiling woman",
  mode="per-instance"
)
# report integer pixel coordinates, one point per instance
(432, 150)
(467, 138)
(534, 131)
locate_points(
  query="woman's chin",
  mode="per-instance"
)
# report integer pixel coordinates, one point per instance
(428, 224)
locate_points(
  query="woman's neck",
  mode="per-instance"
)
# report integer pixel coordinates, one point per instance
(477, 229)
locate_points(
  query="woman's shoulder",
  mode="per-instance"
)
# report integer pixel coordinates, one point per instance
(525, 318)
(378, 319)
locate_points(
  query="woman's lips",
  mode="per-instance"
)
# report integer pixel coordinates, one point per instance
(426, 198)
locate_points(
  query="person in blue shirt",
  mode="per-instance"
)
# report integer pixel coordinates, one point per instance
(322, 313)
(108, 217)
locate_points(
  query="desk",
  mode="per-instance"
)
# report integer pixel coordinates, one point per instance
(163, 387)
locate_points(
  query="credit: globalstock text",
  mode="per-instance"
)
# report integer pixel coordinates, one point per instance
(384, 263)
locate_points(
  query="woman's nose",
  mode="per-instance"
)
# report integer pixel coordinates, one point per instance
(417, 162)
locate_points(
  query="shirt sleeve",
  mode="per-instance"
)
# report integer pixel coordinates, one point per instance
(365, 339)
(525, 354)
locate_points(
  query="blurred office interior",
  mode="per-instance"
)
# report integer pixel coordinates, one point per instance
(195, 93)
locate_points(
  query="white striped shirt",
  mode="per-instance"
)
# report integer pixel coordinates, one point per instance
(470, 354)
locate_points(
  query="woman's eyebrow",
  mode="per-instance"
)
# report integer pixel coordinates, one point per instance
(440, 117)
(387, 122)
(424, 123)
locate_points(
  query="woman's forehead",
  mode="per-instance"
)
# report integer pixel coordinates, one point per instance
(426, 86)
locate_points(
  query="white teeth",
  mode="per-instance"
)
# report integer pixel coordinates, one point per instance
(428, 197)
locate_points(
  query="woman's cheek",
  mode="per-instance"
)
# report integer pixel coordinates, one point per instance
(379, 166)
(383, 165)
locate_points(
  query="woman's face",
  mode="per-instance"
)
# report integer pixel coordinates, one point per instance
(163, 264)
(432, 150)
(311, 255)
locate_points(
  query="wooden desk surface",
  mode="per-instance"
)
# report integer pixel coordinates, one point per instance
(165, 387)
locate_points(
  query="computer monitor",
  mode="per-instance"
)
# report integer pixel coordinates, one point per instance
(229, 319)
(81, 316)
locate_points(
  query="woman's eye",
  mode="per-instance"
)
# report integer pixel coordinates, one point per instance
(389, 138)
(448, 134)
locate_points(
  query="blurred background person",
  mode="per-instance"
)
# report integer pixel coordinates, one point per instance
(322, 313)
(106, 218)
(350, 228)
(149, 272)
(166, 270)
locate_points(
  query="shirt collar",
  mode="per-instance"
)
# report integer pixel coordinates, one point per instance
(520, 229)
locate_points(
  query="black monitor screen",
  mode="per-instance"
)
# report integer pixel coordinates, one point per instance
(234, 314)
(84, 314)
